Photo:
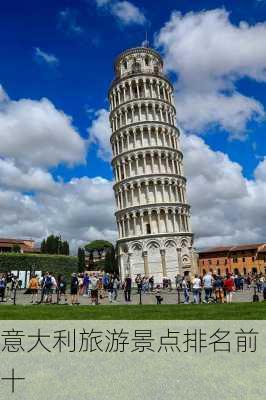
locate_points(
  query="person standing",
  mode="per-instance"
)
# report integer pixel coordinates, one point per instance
(62, 285)
(219, 289)
(74, 288)
(264, 289)
(49, 283)
(34, 286)
(127, 288)
(110, 289)
(86, 281)
(94, 290)
(115, 287)
(229, 286)
(2, 287)
(158, 296)
(196, 286)
(185, 290)
(151, 282)
(138, 281)
(207, 284)
(9, 277)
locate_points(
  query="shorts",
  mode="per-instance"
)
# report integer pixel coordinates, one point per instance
(48, 290)
(62, 290)
(9, 285)
(34, 291)
(73, 291)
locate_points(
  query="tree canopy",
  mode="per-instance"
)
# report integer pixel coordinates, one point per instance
(54, 245)
(98, 245)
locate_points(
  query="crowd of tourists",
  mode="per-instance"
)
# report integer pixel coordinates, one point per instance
(97, 286)
(216, 288)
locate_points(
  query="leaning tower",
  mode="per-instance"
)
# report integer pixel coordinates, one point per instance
(150, 188)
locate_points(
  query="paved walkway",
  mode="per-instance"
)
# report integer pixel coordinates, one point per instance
(169, 297)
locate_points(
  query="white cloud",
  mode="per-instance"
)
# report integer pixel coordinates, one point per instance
(26, 179)
(227, 208)
(100, 133)
(75, 210)
(209, 55)
(35, 133)
(47, 58)
(68, 21)
(125, 12)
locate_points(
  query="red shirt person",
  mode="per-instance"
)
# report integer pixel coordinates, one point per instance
(229, 286)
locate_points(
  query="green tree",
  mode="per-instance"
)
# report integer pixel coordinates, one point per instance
(65, 248)
(98, 245)
(54, 245)
(81, 260)
(43, 246)
(110, 260)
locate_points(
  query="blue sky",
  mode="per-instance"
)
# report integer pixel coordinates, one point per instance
(64, 51)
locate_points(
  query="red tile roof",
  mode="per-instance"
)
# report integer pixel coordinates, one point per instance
(240, 247)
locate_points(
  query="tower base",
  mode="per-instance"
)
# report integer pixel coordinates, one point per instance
(160, 256)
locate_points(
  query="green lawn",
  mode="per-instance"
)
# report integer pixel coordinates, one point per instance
(235, 311)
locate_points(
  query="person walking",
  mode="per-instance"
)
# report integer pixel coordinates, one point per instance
(229, 286)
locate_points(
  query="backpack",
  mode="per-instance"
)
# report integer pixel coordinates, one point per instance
(48, 282)
(2, 284)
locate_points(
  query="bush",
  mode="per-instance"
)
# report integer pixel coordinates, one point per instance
(58, 264)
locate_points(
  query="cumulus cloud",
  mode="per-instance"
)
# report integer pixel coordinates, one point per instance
(35, 133)
(35, 136)
(100, 133)
(208, 55)
(75, 210)
(26, 179)
(49, 59)
(226, 207)
(124, 11)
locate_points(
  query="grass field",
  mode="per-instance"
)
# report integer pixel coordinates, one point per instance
(235, 311)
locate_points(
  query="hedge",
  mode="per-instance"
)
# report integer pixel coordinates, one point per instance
(58, 264)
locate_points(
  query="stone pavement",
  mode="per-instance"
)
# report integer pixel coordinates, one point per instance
(169, 297)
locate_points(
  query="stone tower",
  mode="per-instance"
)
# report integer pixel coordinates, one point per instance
(150, 188)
